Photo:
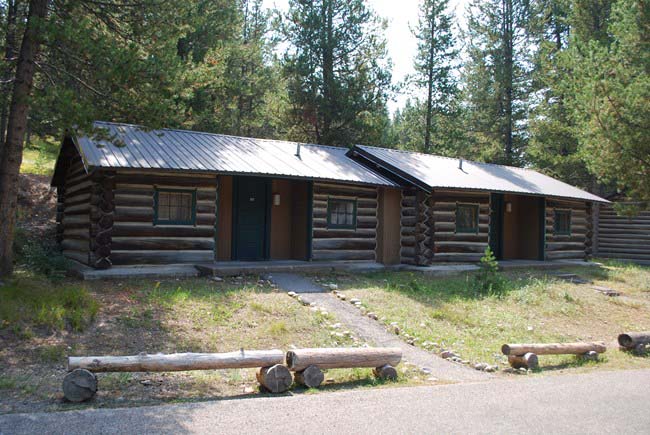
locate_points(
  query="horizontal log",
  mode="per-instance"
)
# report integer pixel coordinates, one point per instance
(325, 195)
(81, 257)
(121, 257)
(362, 222)
(165, 181)
(457, 257)
(162, 243)
(82, 186)
(85, 219)
(79, 209)
(75, 244)
(134, 200)
(460, 237)
(622, 249)
(128, 229)
(76, 233)
(332, 188)
(341, 254)
(556, 255)
(178, 361)
(630, 340)
(344, 243)
(451, 226)
(365, 233)
(365, 212)
(333, 358)
(562, 246)
(133, 214)
(467, 247)
(553, 348)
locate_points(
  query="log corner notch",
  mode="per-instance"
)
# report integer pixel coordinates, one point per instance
(525, 355)
(102, 207)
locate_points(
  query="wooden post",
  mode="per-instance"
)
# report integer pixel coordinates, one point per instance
(79, 385)
(311, 377)
(276, 379)
(630, 340)
(385, 372)
(553, 348)
(178, 361)
(526, 361)
(332, 358)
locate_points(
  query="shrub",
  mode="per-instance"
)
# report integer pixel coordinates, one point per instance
(40, 256)
(488, 280)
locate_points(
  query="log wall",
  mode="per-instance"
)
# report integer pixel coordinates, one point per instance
(451, 246)
(577, 245)
(344, 244)
(73, 212)
(408, 220)
(135, 238)
(622, 237)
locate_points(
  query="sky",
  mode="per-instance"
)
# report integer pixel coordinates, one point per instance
(402, 45)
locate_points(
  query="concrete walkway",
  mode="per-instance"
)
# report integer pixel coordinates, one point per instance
(594, 403)
(373, 332)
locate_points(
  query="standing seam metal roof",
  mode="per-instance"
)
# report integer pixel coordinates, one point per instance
(185, 150)
(435, 172)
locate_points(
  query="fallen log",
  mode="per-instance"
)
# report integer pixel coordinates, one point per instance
(526, 361)
(79, 385)
(553, 348)
(178, 361)
(311, 377)
(336, 358)
(630, 340)
(276, 379)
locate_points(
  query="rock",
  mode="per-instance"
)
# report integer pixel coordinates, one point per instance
(292, 294)
(491, 369)
(464, 361)
(354, 300)
(396, 330)
(530, 328)
(423, 325)
(590, 356)
(248, 389)
(508, 370)
(347, 333)
(341, 296)
(446, 354)
(432, 379)
(357, 304)
(411, 342)
(333, 287)
(425, 370)
(217, 278)
(146, 382)
(481, 366)
(324, 313)
(394, 324)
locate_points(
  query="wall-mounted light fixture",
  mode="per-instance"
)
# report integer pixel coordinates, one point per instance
(509, 207)
(276, 199)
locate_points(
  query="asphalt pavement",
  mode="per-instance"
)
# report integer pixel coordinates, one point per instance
(597, 402)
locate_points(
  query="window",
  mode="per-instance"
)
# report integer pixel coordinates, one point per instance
(342, 213)
(562, 222)
(467, 218)
(175, 207)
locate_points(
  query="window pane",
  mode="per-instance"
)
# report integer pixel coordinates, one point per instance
(175, 207)
(467, 218)
(341, 213)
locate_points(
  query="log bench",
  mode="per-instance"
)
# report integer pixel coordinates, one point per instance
(525, 355)
(308, 363)
(81, 382)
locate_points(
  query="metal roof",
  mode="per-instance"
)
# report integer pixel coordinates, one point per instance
(184, 150)
(431, 172)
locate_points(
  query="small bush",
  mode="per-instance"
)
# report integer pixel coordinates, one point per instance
(488, 280)
(40, 256)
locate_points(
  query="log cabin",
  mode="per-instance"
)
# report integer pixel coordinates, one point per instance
(453, 209)
(128, 196)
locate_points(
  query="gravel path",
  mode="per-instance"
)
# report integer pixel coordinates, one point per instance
(373, 332)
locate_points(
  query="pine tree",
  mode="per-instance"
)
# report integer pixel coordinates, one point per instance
(434, 61)
(337, 71)
(497, 78)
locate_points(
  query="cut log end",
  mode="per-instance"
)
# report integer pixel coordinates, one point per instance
(276, 379)
(527, 361)
(385, 372)
(631, 340)
(311, 377)
(79, 385)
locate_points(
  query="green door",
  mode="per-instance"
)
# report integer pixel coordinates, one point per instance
(250, 218)
(496, 224)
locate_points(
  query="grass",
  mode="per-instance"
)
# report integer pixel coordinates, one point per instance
(40, 157)
(29, 302)
(532, 307)
(130, 317)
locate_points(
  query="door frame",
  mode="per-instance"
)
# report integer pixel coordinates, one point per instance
(266, 248)
(495, 232)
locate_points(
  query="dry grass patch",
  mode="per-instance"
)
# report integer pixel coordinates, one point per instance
(445, 313)
(196, 315)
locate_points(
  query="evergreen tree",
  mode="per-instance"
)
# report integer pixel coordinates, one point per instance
(434, 61)
(497, 78)
(337, 72)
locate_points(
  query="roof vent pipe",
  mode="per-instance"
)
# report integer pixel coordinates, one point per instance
(460, 164)
(298, 150)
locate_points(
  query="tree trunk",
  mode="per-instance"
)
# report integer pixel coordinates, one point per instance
(178, 361)
(10, 48)
(427, 135)
(276, 379)
(334, 358)
(311, 377)
(508, 78)
(12, 155)
(553, 348)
